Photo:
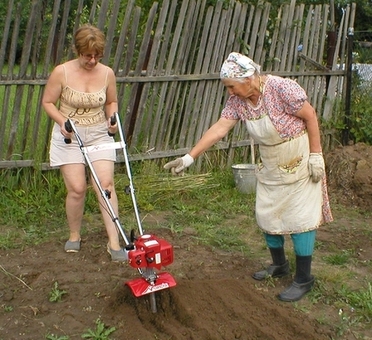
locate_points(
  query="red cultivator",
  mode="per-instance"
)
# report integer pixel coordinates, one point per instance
(146, 253)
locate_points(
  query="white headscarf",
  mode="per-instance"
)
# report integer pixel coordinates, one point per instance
(238, 66)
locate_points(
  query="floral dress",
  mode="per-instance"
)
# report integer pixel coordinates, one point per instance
(287, 199)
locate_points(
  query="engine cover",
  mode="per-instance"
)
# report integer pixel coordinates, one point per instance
(150, 252)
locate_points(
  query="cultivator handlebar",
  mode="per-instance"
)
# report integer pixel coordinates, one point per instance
(146, 252)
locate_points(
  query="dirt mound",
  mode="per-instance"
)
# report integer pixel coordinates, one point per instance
(349, 171)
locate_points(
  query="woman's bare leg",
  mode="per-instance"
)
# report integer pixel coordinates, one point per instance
(75, 181)
(105, 173)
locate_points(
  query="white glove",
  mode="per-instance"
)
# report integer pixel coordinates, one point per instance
(316, 166)
(178, 165)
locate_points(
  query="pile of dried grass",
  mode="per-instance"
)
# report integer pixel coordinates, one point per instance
(168, 184)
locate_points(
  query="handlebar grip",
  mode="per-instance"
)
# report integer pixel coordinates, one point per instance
(112, 122)
(68, 128)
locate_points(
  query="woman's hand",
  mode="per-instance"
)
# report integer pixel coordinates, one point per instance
(178, 165)
(316, 166)
(112, 125)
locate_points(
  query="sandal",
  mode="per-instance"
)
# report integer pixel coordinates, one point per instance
(117, 255)
(72, 246)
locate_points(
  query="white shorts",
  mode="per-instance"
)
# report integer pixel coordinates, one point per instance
(61, 153)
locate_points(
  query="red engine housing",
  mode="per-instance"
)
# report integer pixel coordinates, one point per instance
(150, 252)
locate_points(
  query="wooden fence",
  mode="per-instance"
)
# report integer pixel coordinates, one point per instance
(167, 61)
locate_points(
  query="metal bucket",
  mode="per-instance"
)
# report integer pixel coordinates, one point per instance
(245, 177)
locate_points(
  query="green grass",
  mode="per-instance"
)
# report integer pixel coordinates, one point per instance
(32, 206)
(209, 209)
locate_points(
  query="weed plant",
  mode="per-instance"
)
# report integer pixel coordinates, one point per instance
(56, 337)
(101, 332)
(56, 294)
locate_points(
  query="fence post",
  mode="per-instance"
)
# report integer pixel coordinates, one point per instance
(349, 70)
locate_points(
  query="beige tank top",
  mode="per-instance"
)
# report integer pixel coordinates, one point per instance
(83, 108)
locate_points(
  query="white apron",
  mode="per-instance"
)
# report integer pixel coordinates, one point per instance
(287, 200)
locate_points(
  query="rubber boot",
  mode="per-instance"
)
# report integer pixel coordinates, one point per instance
(303, 280)
(279, 267)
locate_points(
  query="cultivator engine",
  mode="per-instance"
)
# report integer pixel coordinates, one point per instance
(150, 253)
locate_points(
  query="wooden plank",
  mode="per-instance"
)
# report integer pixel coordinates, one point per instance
(15, 117)
(136, 102)
(5, 114)
(212, 49)
(159, 90)
(26, 50)
(93, 11)
(271, 57)
(323, 31)
(26, 123)
(320, 82)
(279, 55)
(51, 39)
(307, 48)
(132, 156)
(288, 27)
(121, 44)
(60, 53)
(246, 48)
(315, 81)
(295, 38)
(5, 35)
(182, 94)
(60, 49)
(255, 28)
(103, 14)
(237, 16)
(14, 41)
(166, 91)
(260, 50)
(150, 91)
(332, 87)
(298, 39)
(188, 122)
(130, 52)
(191, 126)
(182, 77)
(131, 41)
(174, 91)
(196, 25)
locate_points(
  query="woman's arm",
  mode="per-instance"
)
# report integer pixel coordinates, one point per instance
(214, 134)
(308, 114)
(51, 95)
(111, 105)
(316, 161)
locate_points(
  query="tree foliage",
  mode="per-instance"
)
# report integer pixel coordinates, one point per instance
(21, 8)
